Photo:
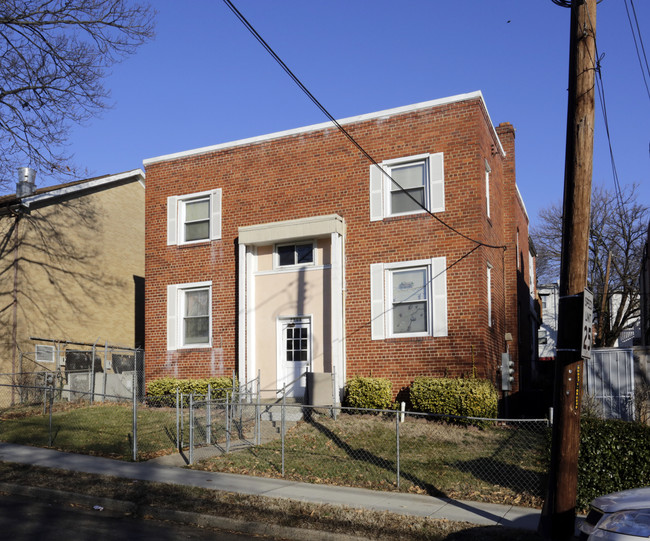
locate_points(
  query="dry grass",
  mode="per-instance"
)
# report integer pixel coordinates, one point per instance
(497, 465)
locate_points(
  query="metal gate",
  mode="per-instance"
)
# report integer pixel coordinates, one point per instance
(610, 381)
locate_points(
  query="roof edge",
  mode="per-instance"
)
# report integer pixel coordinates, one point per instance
(82, 186)
(314, 127)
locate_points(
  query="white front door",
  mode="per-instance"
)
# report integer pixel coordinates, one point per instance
(294, 355)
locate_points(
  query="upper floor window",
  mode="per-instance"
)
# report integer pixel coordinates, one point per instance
(406, 186)
(194, 218)
(291, 255)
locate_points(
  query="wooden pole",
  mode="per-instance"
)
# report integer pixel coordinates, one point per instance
(558, 516)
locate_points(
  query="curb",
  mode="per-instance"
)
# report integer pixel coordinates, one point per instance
(113, 507)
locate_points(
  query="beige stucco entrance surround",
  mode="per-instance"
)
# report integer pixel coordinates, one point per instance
(291, 302)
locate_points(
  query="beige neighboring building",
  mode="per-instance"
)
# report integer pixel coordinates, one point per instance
(71, 266)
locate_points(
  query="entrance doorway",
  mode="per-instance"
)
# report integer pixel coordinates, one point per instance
(295, 354)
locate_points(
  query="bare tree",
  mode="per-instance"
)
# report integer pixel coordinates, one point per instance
(55, 54)
(618, 226)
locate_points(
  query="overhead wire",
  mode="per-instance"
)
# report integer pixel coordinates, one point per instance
(636, 44)
(296, 80)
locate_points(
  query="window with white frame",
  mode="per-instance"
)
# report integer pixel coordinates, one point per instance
(409, 298)
(292, 255)
(407, 185)
(189, 315)
(489, 294)
(488, 170)
(194, 218)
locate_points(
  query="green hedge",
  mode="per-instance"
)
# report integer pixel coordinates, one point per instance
(371, 393)
(446, 396)
(167, 386)
(614, 455)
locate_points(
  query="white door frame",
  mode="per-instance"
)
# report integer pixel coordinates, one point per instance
(298, 388)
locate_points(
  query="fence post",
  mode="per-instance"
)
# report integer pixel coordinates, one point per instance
(135, 418)
(227, 424)
(105, 370)
(178, 421)
(284, 394)
(334, 401)
(191, 428)
(92, 376)
(51, 392)
(397, 446)
(208, 417)
(258, 420)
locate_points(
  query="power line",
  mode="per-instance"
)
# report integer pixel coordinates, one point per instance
(296, 80)
(636, 45)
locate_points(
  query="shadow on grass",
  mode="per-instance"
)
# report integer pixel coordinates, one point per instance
(497, 472)
(364, 455)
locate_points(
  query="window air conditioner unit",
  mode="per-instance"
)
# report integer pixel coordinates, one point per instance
(45, 354)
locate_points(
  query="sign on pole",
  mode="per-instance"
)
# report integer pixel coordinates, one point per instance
(587, 324)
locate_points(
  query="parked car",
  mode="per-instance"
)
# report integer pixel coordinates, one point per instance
(621, 516)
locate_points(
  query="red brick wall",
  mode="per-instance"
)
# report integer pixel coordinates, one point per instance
(320, 173)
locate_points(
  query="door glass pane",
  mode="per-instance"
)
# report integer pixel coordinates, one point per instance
(296, 343)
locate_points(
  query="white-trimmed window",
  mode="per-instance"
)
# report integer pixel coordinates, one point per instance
(489, 294)
(488, 170)
(194, 218)
(407, 185)
(294, 255)
(409, 298)
(189, 315)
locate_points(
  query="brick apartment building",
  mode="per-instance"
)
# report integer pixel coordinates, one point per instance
(290, 252)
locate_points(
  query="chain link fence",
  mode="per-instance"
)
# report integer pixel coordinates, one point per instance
(414, 452)
(488, 459)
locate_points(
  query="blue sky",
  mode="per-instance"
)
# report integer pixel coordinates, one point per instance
(205, 80)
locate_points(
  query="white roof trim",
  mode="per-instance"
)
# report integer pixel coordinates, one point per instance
(82, 186)
(328, 124)
(521, 200)
(302, 228)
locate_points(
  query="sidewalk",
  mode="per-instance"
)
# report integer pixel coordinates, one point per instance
(406, 504)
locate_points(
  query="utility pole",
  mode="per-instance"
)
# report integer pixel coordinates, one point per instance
(558, 516)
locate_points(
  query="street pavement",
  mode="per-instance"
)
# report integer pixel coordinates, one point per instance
(170, 470)
(25, 519)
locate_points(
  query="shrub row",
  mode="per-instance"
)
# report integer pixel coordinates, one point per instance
(371, 393)
(219, 387)
(470, 397)
(614, 455)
